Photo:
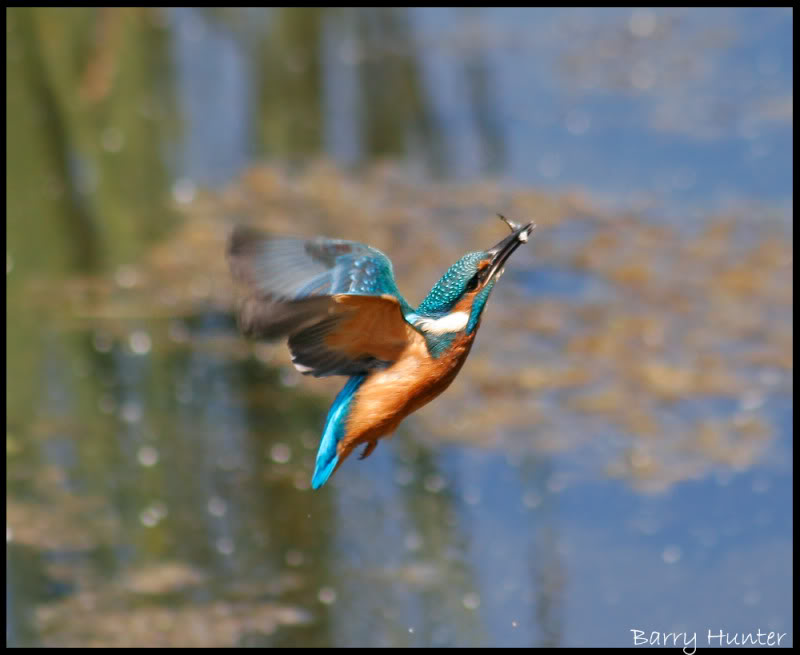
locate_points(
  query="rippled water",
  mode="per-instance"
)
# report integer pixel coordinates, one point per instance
(616, 453)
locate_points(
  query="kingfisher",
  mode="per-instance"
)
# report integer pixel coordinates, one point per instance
(339, 306)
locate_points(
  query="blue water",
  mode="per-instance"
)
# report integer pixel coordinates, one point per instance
(582, 560)
(197, 457)
(696, 132)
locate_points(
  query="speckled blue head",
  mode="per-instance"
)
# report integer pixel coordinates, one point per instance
(452, 286)
(473, 276)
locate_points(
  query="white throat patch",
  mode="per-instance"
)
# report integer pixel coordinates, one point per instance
(454, 322)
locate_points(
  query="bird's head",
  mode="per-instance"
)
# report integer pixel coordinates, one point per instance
(457, 300)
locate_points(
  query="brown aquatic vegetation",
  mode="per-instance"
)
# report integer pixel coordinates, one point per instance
(670, 317)
(219, 623)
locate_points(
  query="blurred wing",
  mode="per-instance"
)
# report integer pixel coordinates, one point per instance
(358, 333)
(337, 301)
(293, 269)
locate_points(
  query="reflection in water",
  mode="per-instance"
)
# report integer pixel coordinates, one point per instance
(316, 52)
(546, 566)
(477, 76)
(290, 91)
(399, 115)
(549, 586)
(433, 513)
(310, 74)
(56, 136)
(158, 467)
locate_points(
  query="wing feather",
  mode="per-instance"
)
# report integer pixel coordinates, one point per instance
(292, 269)
(336, 300)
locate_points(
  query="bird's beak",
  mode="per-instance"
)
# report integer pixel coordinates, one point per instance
(502, 251)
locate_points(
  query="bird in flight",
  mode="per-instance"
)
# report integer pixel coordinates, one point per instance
(338, 303)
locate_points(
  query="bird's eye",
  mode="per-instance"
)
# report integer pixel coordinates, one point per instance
(473, 283)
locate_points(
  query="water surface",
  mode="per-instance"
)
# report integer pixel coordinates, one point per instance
(616, 453)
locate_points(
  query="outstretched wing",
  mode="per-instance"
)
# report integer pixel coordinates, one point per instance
(336, 300)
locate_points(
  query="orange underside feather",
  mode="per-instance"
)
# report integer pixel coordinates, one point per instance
(375, 325)
(372, 325)
(389, 395)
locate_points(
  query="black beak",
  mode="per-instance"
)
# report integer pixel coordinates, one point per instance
(502, 251)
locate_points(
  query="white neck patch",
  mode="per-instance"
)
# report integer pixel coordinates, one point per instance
(454, 322)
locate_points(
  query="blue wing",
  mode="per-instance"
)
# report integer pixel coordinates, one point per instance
(297, 287)
(293, 269)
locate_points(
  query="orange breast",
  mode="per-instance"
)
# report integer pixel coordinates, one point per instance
(386, 397)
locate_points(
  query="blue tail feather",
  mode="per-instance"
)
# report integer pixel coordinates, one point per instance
(334, 430)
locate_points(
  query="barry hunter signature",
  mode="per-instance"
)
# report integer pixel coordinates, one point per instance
(688, 640)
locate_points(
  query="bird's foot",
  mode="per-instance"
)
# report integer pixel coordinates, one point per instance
(368, 450)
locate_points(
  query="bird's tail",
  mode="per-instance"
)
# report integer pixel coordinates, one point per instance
(334, 431)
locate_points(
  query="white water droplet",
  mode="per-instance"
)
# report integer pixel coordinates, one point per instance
(327, 595)
(147, 456)
(280, 453)
(577, 122)
(435, 483)
(225, 545)
(153, 514)
(531, 500)
(184, 191)
(472, 601)
(127, 277)
(140, 342)
(131, 412)
(413, 541)
(672, 554)
(217, 506)
(642, 23)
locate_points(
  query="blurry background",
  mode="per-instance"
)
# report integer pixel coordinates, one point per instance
(615, 454)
